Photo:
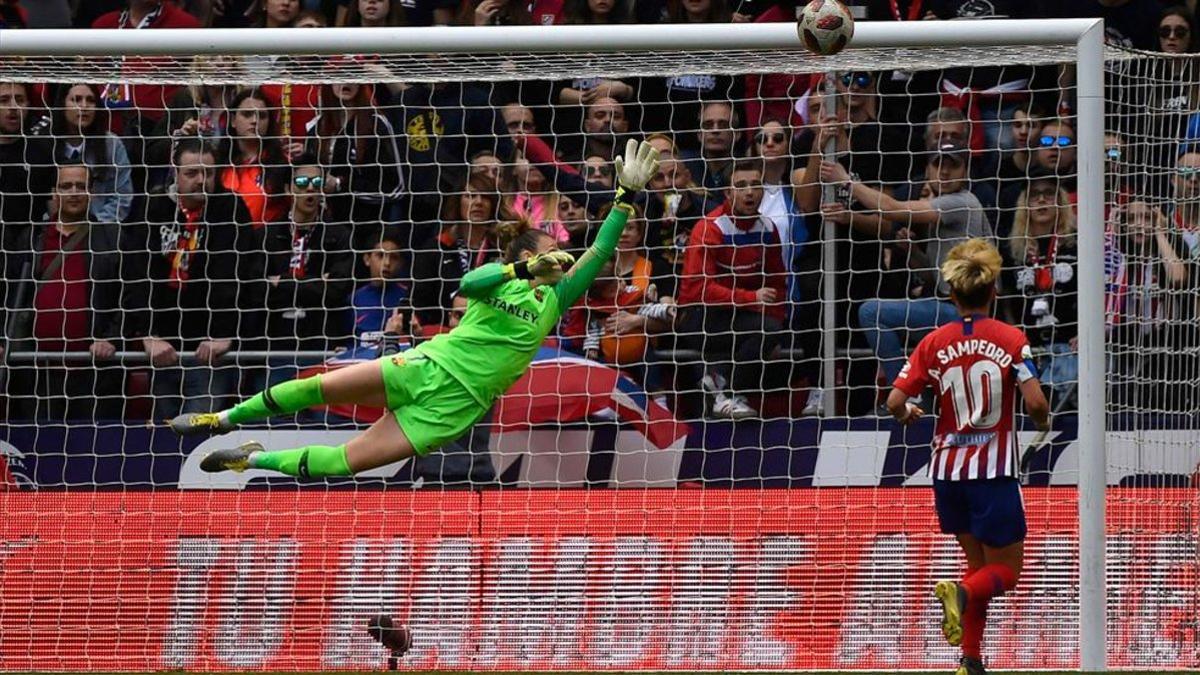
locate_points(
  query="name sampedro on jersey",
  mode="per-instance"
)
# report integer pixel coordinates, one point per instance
(975, 366)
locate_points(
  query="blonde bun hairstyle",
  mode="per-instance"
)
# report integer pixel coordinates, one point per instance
(971, 270)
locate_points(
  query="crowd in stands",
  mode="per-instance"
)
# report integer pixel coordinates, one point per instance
(196, 223)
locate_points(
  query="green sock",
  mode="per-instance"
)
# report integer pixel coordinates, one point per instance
(285, 397)
(311, 461)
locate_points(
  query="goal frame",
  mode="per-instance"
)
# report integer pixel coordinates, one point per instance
(1085, 36)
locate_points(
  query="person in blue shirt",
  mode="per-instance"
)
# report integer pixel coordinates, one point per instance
(375, 301)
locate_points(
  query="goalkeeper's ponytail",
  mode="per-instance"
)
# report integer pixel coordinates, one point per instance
(515, 236)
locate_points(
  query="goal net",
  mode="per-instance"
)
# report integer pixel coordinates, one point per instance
(695, 472)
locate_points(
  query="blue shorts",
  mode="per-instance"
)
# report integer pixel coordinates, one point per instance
(990, 510)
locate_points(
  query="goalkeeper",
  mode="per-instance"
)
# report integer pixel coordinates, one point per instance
(439, 389)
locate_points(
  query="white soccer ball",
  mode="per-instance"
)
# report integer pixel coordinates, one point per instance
(825, 26)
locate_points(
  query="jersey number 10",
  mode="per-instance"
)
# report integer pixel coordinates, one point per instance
(976, 395)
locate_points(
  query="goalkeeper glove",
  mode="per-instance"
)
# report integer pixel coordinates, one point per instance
(547, 267)
(635, 169)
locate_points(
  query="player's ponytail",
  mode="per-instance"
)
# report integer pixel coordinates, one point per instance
(515, 236)
(971, 270)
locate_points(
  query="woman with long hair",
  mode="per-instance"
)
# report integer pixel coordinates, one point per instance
(352, 137)
(1043, 260)
(255, 166)
(81, 135)
(374, 14)
(467, 241)
(439, 389)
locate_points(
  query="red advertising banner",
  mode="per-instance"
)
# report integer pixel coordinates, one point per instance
(660, 579)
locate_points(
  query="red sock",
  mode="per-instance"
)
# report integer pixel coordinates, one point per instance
(989, 582)
(973, 620)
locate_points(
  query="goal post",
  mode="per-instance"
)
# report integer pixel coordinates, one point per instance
(527, 52)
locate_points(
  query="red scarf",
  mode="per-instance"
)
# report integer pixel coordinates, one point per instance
(1043, 272)
(179, 253)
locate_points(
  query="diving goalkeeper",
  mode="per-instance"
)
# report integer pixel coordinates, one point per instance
(439, 389)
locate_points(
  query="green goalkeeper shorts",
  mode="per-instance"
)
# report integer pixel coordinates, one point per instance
(431, 406)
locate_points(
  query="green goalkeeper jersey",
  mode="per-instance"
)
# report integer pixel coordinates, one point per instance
(507, 320)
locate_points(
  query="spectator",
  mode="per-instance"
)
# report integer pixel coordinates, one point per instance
(194, 284)
(1151, 311)
(1041, 255)
(468, 242)
(138, 102)
(518, 119)
(622, 310)
(574, 218)
(675, 102)
(444, 125)
(80, 134)
(485, 163)
(1116, 191)
(1185, 209)
(72, 304)
(373, 14)
(590, 193)
(413, 12)
(698, 11)
(1177, 31)
(595, 12)
(255, 166)
(950, 125)
(1014, 157)
(951, 215)
(277, 13)
(946, 125)
(309, 265)
(495, 13)
(195, 110)
(732, 291)
(598, 169)
(358, 143)
(675, 205)
(604, 126)
(595, 107)
(710, 166)
(26, 164)
(385, 293)
(528, 196)
(1053, 153)
(772, 146)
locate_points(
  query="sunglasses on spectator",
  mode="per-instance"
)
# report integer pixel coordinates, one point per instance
(861, 80)
(303, 182)
(1060, 141)
(762, 137)
(1173, 31)
(605, 171)
(1188, 171)
(1112, 153)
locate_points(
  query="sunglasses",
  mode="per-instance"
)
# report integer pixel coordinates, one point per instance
(1060, 141)
(861, 80)
(1173, 31)
(605, 171)
(1044, 193)
(776, 137)
(304, 182)
(1112, 153)
(1188, 171)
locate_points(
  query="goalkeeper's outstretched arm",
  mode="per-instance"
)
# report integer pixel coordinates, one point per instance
(633, 172)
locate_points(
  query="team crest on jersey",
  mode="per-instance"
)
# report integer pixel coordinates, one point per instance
(539, 293)
(397, 360)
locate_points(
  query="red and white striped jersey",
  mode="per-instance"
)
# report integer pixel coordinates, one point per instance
(975, 365)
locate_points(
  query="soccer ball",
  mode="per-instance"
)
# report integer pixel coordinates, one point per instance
(825, 26)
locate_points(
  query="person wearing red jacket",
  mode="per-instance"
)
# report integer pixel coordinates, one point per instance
(733, 287)
(147, 100)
